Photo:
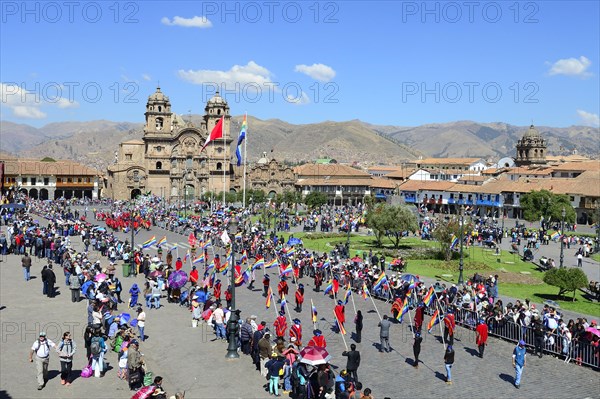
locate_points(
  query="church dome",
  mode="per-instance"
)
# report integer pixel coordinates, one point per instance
(263, 160)
(531, 133)
(216, 100)
(158, 96)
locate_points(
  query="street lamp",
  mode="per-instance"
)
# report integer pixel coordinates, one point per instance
(502, 216)
(562, 234)
(132, 228)
(460, 263)
(232, 324)
(348, 237)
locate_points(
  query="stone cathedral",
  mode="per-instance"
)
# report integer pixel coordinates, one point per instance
(168, 160)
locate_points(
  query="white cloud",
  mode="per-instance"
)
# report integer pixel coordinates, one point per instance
(145, 76)
(233, 79)
(27, 112)
(571, 67)
(27, 104)
(589, 119)
(319, 72)
(298, 100)
(194, 22)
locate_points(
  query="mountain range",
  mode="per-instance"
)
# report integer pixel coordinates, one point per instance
(94, 143)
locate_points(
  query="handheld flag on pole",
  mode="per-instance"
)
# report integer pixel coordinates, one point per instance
(269, 295)
(259, 264)
(382, 279)
(347, 296)
(161, 241)
(365, 291)
(403, 310)
(241, 138)
(329, 288)
(272, 263)
(454, 241)
(199, 259)
(174, 247)
(428, 297)
(434, 320)
(313, 312)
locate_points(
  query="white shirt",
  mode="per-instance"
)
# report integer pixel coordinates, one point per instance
(141, 319)
(218, 315)
(42, 349)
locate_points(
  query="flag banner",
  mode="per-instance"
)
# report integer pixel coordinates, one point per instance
(241, 138)
(161, 241)
(428, 297)
(149, 243)
(259, 264)
(381, 280)
(435, 319)
(314, 314)
(173, 247)
(269, 295)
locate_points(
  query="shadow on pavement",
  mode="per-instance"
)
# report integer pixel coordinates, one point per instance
(507, 378)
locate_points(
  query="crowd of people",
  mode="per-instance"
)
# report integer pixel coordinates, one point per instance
(274, 350)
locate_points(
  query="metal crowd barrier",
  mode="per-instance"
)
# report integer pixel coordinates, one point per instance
(579, 352)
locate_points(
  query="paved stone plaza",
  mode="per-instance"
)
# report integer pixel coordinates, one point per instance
(189, 360)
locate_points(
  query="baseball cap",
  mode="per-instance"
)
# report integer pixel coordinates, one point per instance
(522, 343)
(42, 333)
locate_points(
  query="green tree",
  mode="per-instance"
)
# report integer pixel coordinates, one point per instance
(566, 279)
(315, 199)
(390, 221)
(444, 232)
(536, 204)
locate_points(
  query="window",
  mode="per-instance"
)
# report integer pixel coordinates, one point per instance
(46, 181)
(571, 198)
(79, 180)
(158, 165)
(159, 123)
(33, 181)
(136, 175)
(128, 157)
(189, 162)
(59, 179)
(69, 180)
(219, 165)
(158, 149)
(23, 180)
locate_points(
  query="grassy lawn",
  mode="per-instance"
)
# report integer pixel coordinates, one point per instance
(596, 257)
(518, 279)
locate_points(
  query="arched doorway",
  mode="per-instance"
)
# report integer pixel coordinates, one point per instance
(272, 194)
(136, 192)
(33, 193)
(58, 194)
(189, 192)
(44, 194)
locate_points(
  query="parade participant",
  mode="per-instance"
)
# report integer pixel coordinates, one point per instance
(299, 297)
(41, 348)
(194, 275)
(417, 349)
(178, 264)
(228, 296)
(318, 280)
(482, 335)
(217, 290)
(449, 326)
(519, 361)
(282, 288)
(340, 313)
(419, 313)
(280, 325)
(296, 332)
(336, 287)
(266, 282)
(317, 340)
(448, 362)
(353, 361)
(384, 334)
(358, 322)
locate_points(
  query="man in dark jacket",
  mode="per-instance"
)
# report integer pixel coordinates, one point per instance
(49, 278)
(353, 362)
(246, 336)
(538, 332)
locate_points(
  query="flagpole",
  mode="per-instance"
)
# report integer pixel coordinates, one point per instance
(412, 328)
(224, 159)
(370, 296)
(440, 320)
(353, 304)
(245, 162)
(288, 311)
(273, 303)
(340, 328)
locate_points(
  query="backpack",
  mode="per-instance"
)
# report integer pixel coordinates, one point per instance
(95, 346)
(118, 343)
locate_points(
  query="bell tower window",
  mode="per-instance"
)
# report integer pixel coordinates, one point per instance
(159, 108)
(159, 123)
(158, 165)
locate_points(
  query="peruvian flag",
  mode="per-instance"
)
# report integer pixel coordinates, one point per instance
(216, 133)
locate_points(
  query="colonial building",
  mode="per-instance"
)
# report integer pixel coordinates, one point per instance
(169, 161)
(50, 179)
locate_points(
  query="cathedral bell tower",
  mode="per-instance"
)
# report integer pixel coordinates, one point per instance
(158, 113)
(531, 149)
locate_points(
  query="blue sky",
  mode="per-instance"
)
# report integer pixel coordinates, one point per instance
(397, 63)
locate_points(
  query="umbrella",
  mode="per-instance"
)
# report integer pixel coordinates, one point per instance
(100, 277)
(552, 303)
(314, 355)
(357, 259)
(100, 229)
(12, 206)
(134, 323)
(156, 273)
(294, 241)
(125, 317)
(594, 331)
(177, 279)
(409, 278)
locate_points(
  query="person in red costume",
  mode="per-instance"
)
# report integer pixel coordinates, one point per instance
(280, 325)
(194, 275)
(336, 287)
(296, 333)
(282, 288)
(228, 296)
(317, 340)
(482, 335)
(299, 297)
(449, 326)
(340, 313)
(178, 264)
(419, 312)
(217, 290)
